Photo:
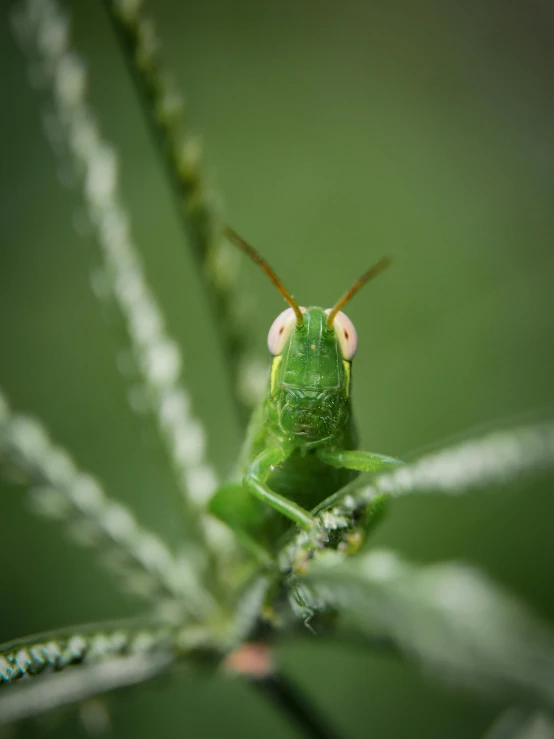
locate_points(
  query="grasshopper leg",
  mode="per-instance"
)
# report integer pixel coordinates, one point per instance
(255, 482)
(353, 459)
(359, 461)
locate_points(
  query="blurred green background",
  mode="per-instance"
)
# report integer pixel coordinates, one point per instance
(334, 133)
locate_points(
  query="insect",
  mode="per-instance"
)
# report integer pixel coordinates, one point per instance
(300, 448)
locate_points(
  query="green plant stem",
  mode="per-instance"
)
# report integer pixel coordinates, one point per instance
(163, 107)
(294, 704)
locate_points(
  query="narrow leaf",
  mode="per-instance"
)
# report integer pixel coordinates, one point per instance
(451, 618)
(141, 561)
(56, 691)
(97, 658)
(55, 651)
(494, 459)
(165, 110)
(519, 724)
(44, 29)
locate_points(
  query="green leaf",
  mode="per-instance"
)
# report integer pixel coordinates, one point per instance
(451, 618)
(98, 658)
(518, 724)
(142, 562)
(494, 459)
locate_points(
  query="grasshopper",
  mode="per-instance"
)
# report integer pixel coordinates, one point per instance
(300, 449)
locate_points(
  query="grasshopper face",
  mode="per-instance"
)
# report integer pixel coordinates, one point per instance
(310, 376)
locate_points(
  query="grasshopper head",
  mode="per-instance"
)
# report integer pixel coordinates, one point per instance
(310, 374)
(312, 352)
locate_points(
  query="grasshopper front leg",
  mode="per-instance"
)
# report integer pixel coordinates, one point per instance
(354, 459)
(359, 461)
(235, 504)
(255, 481)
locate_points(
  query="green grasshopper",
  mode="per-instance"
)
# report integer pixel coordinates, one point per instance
(301, 445)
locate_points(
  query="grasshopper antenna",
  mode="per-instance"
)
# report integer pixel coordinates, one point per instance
(255, 257)
(360, 282)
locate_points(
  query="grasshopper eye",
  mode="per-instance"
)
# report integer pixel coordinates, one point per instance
(281, 330)
(346, 334)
